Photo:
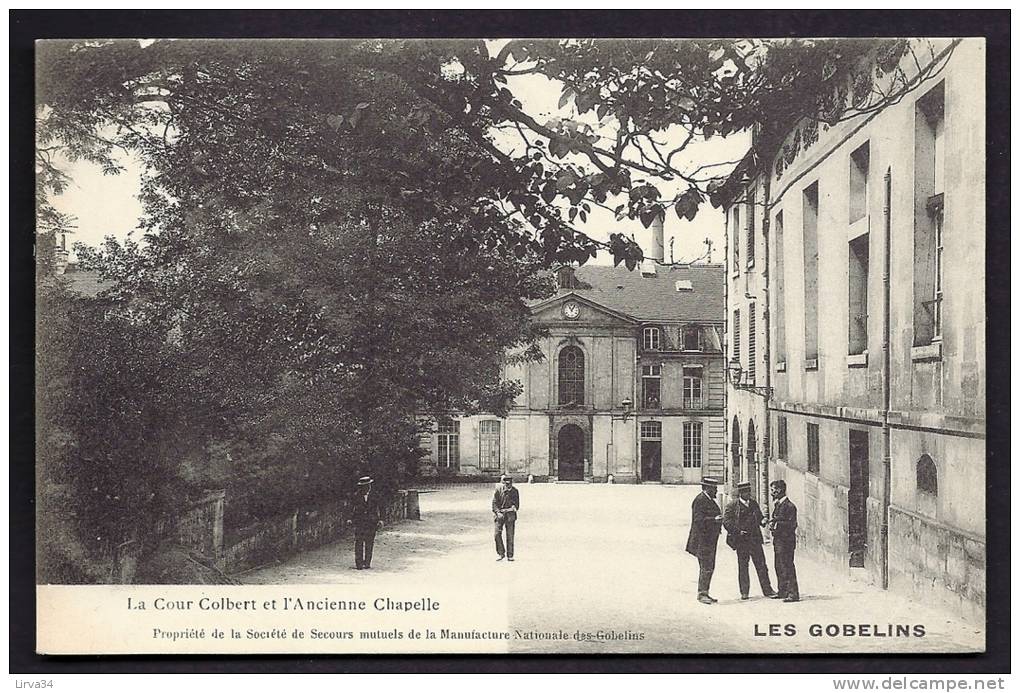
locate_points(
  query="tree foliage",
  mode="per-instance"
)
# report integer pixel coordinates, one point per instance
(340, 234)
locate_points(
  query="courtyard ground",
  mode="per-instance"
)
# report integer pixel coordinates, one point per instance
(610, 558)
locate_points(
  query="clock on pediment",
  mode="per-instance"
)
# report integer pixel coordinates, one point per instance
(571, 310)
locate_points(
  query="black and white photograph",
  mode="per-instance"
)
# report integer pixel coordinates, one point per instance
(510, 346)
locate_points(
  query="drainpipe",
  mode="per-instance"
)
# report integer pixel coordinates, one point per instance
(726, 337)
(886, 380)
(767, 317)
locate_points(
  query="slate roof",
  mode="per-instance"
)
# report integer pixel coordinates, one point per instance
(651, 299)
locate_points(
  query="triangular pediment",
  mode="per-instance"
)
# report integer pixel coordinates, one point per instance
(560, 309)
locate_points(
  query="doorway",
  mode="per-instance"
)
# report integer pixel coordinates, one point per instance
(857, 498)
(651, 451)
(651, 460)
(570, 453)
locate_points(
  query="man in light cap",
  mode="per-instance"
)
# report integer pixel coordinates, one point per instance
(743, 521)
(706, 522)
(505, 503)
(367, 520)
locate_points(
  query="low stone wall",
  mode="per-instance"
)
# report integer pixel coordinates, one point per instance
(283, 536)
(199, 530)
(936, 564)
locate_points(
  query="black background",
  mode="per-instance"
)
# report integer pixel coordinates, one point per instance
(26, 26)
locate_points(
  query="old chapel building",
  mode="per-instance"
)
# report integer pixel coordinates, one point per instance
(856, 309)
(631, 386)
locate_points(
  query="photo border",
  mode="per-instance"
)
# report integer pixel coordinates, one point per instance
(26, 26)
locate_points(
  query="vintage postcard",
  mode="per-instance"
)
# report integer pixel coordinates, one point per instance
(511, 346)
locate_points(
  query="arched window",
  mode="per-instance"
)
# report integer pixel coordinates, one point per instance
(927, 476)
(571, 376)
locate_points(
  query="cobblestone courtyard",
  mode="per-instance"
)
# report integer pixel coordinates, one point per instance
(610, 558)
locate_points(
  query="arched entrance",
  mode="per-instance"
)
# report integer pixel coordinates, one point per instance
(570, 453)
(752, 452)
(735, 452)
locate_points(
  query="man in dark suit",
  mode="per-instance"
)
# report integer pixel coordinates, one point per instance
(366, 518)
(505, 504)
(743, 521)
(784, 539)
(706, 522)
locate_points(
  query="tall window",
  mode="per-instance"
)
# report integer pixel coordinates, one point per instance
(750, 227)
(810, 217)
(736, 238)
(860, 164)
(692, 338)
(781, 434)
(448, 444)
(488, 445)
(779, 311)
(929, 216)
(651, 386)
(652, 338)
(813, 465)
(751, 339)
(736, 335)
(693, 388)
(858, 304)
(692, 443)
(571, 376)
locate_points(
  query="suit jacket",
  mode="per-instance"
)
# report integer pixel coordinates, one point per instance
(505, 498)
(704, 528)
(365, 513)
(784, 522)
(743, 524)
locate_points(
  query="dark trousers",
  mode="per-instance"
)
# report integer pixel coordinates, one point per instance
(706, 567)
(786, 571)
(364, 541)
(507, 520)
(752, 553)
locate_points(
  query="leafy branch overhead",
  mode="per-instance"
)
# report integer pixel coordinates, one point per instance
(335, 110)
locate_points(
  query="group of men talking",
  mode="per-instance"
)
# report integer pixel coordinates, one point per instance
(743, 521)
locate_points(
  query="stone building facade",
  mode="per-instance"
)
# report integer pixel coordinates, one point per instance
(631, 386)
(866, 297)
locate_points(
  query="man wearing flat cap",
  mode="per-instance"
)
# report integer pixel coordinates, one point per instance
(743, 521)
(706, 522)
(505, 503)
(367, 521)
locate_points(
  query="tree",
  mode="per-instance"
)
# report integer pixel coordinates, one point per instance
(341, 234)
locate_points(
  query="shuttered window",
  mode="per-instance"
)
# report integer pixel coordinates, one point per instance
(751, 359)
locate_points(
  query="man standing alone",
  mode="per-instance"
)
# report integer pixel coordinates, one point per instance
(743, 521)
(505, 503)
(366, 520)
(706, 521)
(784, 539)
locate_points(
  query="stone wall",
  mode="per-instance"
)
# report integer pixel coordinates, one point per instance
(936, 564)
(199, 530)
(280, 537)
